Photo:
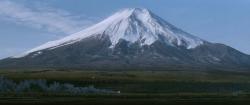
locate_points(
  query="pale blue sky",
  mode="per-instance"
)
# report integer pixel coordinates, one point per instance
(28, 23)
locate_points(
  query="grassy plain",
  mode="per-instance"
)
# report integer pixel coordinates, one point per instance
(138, 87)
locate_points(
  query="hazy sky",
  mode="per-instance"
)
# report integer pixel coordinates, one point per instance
(28, 23)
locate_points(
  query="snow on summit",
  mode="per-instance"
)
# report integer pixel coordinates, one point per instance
(133, 25)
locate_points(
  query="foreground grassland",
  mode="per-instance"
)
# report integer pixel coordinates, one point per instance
(138, 87)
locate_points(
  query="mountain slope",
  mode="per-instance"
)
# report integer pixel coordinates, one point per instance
(132, 25)
(131, 39)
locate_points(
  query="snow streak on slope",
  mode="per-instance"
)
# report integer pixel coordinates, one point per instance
(132, 25)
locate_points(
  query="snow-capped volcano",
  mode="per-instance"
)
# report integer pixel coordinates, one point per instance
(132, 25)
(133, 38)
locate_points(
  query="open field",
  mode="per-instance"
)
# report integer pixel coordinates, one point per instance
(138, 87)
(128, 100)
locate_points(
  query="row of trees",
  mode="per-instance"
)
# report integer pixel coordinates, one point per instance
(7, 85)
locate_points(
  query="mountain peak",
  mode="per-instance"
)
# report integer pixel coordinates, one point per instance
(132, 25)
(130, 12)
(135, 10)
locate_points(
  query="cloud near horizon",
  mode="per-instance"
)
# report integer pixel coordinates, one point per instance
(42, 17)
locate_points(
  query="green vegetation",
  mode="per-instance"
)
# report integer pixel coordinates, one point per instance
(138, 87)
